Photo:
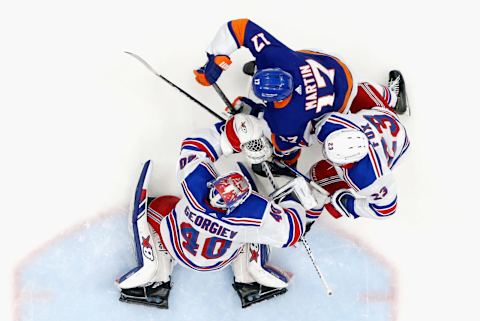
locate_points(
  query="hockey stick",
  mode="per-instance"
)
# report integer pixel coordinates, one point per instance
(149, 67)
(302, 238)
(298, 173)
(225, 99)
(267, 170)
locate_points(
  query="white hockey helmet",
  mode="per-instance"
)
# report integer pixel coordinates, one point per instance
(345, 146)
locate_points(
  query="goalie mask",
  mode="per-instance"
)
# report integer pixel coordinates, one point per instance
(345, 146)
(229, 191)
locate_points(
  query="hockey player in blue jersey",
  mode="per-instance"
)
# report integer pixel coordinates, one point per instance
(298, 87)
(219, 221)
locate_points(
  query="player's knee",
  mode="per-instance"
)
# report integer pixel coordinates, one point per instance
(163, 204)
(159, 208)
(324, 174)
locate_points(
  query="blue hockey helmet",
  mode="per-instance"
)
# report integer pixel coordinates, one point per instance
(272, 84)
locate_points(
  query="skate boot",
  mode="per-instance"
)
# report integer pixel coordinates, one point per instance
(251, 293)
(396, 84)
(155, 294)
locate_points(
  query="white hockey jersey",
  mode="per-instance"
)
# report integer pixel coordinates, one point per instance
(205, 238)
(371, 180)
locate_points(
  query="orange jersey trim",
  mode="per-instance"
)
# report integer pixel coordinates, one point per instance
(274, 143)
(293, 160)
(239, 26)
(348, 74)
(283, 103)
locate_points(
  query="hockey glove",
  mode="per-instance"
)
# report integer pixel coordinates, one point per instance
(246, 105)
(341, 204)
(211, 71)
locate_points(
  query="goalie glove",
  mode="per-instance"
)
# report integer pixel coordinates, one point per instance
(341, 204)
(245, 133)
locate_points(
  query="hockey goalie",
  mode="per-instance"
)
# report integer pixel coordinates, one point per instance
(218, 221)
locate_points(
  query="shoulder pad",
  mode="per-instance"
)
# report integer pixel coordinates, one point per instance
(249, 213)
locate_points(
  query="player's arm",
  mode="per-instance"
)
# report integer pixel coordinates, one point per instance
(376, 201)
(282, 224)
(278, 225)
(232, 36)
(328, 124)
(195, 167)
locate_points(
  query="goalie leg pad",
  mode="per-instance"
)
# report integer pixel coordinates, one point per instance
(263, 273)
(155, 294)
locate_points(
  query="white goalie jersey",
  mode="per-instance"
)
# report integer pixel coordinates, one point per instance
(204, 238)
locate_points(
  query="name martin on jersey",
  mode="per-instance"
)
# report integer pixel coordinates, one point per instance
(312, 81)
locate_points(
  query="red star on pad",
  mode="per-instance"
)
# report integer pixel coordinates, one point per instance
(254, 256)
(146, 241)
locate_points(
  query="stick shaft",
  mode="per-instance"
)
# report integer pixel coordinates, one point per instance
(149, 67)
(298, 173)
(307, 247)
(224, 98)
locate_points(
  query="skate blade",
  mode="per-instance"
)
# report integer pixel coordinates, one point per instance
(158, 303)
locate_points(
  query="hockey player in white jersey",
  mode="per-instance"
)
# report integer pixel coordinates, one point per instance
(360, 153)
(218, 221)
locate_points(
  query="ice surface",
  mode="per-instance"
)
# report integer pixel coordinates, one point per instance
(73, 279)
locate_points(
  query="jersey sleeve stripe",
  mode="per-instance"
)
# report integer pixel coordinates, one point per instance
(210, 169)
(197, 146)
(296, 228)
(345, 122)
(349, 180)
(237, 29)
(375, 162)
(191, 199)
(386, 210)
(203, 145)
(242, 221)
(314, 213)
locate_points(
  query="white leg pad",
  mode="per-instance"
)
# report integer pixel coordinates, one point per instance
(240, 267)
(262, 272)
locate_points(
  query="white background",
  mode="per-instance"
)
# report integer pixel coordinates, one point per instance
(78, 117)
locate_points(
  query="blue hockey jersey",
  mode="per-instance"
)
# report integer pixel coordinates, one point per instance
(322, 83)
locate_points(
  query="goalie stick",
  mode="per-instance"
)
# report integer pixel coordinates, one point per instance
(320, 189)
(267, 170)
(149, 67)
(302, 238)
